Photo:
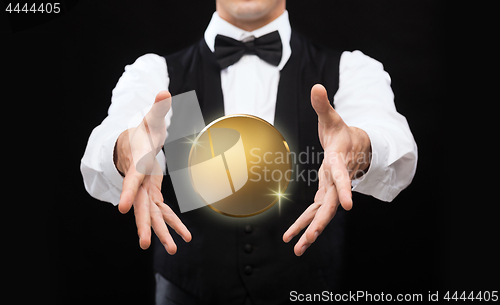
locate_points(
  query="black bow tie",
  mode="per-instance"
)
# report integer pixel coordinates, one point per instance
(268, 47)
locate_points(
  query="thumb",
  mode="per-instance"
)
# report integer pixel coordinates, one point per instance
(327, 116)
(153, 130)
(160, 108)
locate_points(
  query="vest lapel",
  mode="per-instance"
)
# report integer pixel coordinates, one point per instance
(211, 99)
(286, 114)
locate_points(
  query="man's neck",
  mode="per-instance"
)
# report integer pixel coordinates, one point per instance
(251, 24)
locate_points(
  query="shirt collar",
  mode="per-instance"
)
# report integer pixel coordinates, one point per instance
(220, 26)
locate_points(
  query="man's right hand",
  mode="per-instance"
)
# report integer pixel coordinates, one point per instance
(135, 157)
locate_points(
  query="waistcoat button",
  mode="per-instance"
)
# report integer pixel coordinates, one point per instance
(248, 248)
(248, 269)
(248, 229)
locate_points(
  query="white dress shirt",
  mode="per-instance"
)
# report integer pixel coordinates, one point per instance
(364, 100)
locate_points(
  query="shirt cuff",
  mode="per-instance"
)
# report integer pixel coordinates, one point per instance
(108, 165)
(376, 181)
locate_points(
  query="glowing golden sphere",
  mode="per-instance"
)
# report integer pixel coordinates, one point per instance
(240, 165)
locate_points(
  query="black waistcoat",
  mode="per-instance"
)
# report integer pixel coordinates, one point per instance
(230, 257)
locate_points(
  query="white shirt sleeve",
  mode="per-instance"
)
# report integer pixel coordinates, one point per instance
(365, 100)
(132, 97)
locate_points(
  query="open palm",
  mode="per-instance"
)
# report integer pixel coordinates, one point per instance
(347, 150)
(135, 155)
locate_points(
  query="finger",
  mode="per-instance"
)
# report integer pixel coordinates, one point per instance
(320, 193)
(303, 221)
(161, 229)
(301, 245)
(167, 214)
(320, 175)
(324, 215)
(143, 218)
(156, 115)
(130, 187)
(173, 221)
(336, 172)
(327, 116)
(342, 183)
(153, 130)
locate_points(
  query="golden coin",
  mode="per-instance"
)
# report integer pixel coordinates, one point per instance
(240, 165)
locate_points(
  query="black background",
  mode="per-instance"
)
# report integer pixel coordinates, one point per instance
(63, 70)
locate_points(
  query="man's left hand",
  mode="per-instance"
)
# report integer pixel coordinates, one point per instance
(347, 156)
